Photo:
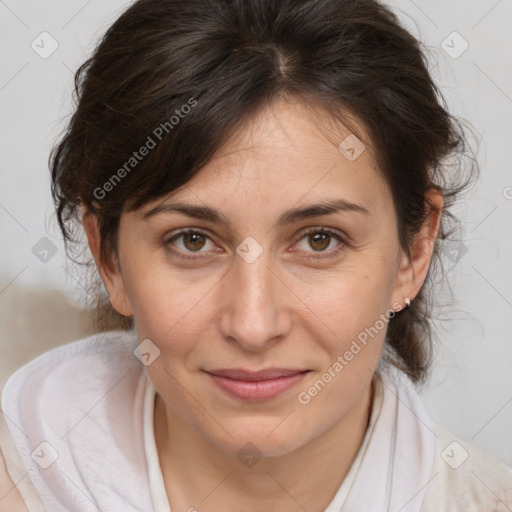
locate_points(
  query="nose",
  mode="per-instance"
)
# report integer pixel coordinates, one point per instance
(254, 313)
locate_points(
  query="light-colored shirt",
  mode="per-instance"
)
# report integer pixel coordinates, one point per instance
(77, 435)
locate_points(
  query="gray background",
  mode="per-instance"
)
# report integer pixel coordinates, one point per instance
(470, 392)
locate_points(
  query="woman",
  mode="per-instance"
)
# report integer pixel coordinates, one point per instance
(262, 188)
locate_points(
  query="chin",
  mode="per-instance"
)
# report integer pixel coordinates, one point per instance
(258, 437)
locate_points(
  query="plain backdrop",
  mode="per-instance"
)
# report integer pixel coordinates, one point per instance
(469, 45)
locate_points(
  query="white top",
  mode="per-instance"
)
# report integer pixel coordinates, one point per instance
(77, 434)
(159, 494)
(156, 479)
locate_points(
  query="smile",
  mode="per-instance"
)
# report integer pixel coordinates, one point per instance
(260, 385)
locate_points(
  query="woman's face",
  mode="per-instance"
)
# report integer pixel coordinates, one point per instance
(257, 286)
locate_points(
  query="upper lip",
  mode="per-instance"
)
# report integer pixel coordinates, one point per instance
(254, 375)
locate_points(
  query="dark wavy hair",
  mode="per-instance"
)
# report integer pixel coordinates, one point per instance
(228, 59)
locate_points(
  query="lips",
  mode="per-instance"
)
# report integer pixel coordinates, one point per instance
(266, 374)
(256, 384)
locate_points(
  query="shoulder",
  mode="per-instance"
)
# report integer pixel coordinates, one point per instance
(74, 374)
(466, 478)
(57, 400)
(112, 343)
(68, 364)
(17, 493)
(10, 497)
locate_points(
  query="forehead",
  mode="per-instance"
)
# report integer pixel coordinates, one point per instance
(289, 152)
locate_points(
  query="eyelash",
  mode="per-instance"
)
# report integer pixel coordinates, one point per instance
(330, 254)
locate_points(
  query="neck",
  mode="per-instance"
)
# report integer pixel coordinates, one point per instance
(198, 475)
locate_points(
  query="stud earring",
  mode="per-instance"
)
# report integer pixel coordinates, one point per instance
(407, 301)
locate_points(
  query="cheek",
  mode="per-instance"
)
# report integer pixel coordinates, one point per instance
(354, 299)
(357, 312)
(172, 307)
(178, 307)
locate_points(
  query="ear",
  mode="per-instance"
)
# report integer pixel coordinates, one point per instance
(414, 268)
(110, 271)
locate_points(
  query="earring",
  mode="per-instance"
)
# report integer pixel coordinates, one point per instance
(407, 302)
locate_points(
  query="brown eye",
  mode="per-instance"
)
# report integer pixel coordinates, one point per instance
(185, 243)
(193, 241)
(320, 240)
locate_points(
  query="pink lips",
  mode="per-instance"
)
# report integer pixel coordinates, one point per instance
(256, 385)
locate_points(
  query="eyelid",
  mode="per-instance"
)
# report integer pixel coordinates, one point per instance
(184, 231)
(342, 239)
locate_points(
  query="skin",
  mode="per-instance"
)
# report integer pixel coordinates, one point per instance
(297, 305)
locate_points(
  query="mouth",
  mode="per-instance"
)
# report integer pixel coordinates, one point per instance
(256, 385)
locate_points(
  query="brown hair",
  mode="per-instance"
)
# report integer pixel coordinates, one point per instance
(192, 72)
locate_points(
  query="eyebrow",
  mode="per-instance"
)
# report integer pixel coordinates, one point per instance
(288, 217)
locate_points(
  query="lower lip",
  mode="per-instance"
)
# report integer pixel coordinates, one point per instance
(257, 390)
